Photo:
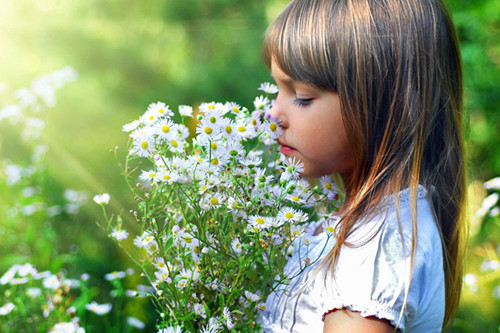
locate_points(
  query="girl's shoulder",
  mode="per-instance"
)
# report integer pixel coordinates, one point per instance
(372, 272)
(394, 220)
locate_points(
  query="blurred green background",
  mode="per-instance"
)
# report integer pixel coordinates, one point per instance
(132, 53)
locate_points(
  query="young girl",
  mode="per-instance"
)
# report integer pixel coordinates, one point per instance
(372, 90)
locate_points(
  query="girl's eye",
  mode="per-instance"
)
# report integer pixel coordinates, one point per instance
(302, 101)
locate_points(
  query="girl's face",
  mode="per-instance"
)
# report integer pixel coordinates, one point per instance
(313, 129)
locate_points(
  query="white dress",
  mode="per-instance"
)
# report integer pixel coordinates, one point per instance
(370, 279)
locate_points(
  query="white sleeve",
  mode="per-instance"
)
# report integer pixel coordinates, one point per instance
(372, 278)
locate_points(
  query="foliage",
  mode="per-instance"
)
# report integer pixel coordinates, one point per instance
(32, 214)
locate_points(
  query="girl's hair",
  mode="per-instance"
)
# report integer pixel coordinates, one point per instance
(396, 67)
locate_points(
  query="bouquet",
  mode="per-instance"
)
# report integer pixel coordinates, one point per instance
(220, 211)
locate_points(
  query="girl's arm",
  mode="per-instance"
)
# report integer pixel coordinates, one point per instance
(341, 321)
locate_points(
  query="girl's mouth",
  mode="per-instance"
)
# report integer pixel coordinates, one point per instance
(284, 149)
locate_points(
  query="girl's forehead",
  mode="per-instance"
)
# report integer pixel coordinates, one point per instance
(278, 74)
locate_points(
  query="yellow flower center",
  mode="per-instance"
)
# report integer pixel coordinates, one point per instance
(260, 220)
(295, 198)
(144, 145)
(229, 129)
(273, 127)
(235, 109)
(166, 177)
(204, 188)
(161, 111)
(208, 130)
(288, 215)
(329, 229)
(328, 186)
(213, 120)
(214, 201)
(215, 161)
(211, 107)
(174, 143)
(151, 117)
(165, 129)
(213, 145)
(242, 128)
(160, 264)
(187, 239)
(152, 175)
(254, 122)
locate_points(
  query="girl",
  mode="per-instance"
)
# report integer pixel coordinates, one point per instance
(372, 90)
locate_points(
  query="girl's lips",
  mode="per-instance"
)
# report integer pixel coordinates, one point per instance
(285, 150)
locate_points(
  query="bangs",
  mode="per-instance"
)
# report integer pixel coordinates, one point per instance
(301, 42)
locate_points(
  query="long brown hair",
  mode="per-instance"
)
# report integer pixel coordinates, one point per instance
(396, 67)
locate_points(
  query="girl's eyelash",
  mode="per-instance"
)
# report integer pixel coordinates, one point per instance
(302, 101)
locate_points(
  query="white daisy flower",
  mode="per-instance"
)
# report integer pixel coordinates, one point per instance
(6, 309)
(149, 118)
(163, 275)
(143, 145)
(269, 88)
(199, 310)
(165, 129)
(226, 315)
(289, 215)
(119, 234)
(234, 108)
(273, 128)
(159, 109)
(67, 327)
(148, 175)
(492, 184)
(213, 107)
(257, 222)
(115, 275)
(101, 199)
(251, 296)
(34, 292)
(146, 241)
(261, 103)
(99, 309)
(171, 329)
(211, 201)
(176, 145)
(164, 175)
(234, 149)
(186, 111)
(213, 326)
(206, 129)
(131, 126)
(236, 245)
(228, 129)
(293, 168)
(251, 162)
(134, 322)
(51, 282)
(244, 130)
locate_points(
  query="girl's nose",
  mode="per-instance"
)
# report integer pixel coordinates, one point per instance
(276, 110)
